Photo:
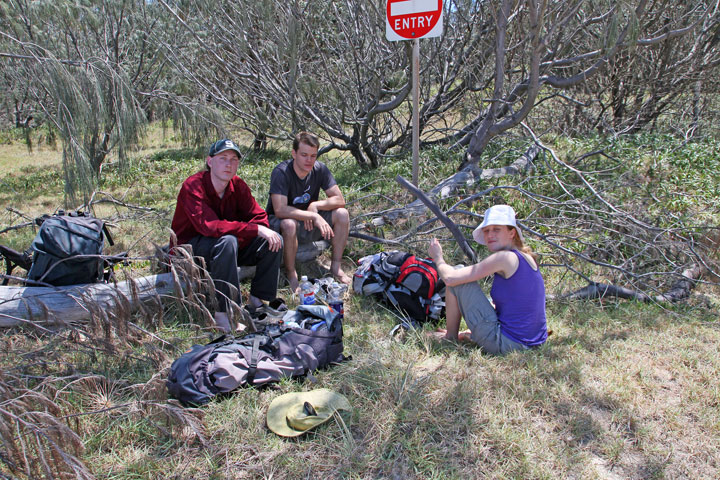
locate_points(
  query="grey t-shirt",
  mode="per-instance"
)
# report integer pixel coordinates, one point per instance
(300, 193)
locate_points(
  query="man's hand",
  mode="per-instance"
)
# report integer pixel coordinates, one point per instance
(325, 228)
(310, 223)
(319, 222)
(273, 238)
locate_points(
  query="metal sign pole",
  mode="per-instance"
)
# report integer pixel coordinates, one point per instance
(416, 111)
(413, 20)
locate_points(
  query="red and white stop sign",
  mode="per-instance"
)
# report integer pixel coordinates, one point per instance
(411, 19)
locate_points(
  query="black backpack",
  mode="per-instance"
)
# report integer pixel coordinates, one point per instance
(256, 359)
(409, 283)
(67, 250)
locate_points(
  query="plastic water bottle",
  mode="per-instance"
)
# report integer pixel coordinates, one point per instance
(307, 291)
(335, 300)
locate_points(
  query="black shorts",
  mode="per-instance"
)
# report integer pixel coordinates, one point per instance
(303, 235)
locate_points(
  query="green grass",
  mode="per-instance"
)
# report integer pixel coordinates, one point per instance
(620, 390)
(592, 398)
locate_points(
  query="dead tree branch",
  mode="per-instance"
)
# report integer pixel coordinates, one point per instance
(459, 237)
(680, 290)
(597, 219)
(467, 177)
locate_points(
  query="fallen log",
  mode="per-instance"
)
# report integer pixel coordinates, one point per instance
(64, 305)
(679, 290)
(306, 252)
(603, 290)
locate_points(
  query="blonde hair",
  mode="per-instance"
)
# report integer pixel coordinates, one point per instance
(520, 245)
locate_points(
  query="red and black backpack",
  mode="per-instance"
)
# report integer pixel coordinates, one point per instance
(409, 283)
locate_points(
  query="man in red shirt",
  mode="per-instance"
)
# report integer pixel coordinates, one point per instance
(218, 216)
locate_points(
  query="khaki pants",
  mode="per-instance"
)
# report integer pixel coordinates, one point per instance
(482, 320)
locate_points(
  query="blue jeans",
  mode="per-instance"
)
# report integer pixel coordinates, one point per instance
(482, 320)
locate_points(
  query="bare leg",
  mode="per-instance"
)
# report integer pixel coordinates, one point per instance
(452, 314)
(288, 229)
(341, 228)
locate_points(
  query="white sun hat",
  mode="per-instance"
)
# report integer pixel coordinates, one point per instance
(497, 215)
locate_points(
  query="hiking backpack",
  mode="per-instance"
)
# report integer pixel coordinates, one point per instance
(409, 283)
(67, 250)
(258, 358)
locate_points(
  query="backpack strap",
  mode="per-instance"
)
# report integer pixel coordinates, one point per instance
(405, 325)
(252, 367)
(108, 237)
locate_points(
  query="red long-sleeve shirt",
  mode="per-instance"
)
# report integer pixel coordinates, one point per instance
(200, 211)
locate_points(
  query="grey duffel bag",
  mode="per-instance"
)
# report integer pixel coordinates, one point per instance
(256, 359)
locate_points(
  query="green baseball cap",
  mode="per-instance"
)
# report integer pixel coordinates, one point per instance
(222, 145)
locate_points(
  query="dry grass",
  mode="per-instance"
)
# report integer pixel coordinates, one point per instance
(16, 156)
(621, 390)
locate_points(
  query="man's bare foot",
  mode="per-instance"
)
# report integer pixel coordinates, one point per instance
(293, 281)
(339, 275)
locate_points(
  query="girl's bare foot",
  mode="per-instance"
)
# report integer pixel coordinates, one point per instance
(437, 334)
(441, 334)
(465, 336)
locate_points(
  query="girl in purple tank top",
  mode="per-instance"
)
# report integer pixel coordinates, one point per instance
(517, 321)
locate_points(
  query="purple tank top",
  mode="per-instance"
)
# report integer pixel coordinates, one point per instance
(520, 304)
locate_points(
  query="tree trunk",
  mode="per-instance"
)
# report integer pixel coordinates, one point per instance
(63, 305)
